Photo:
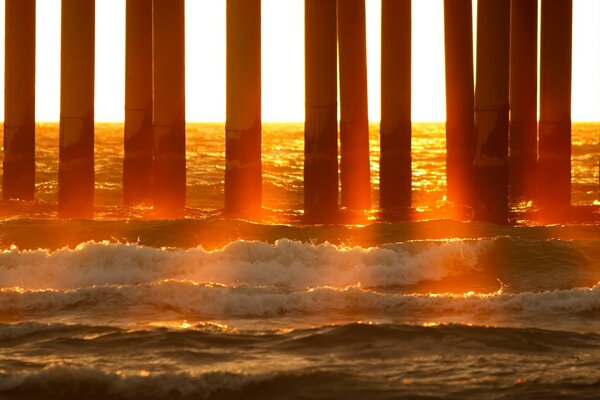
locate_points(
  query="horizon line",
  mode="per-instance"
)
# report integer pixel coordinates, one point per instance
(102, 121)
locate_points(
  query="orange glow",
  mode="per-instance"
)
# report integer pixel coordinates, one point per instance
(283, 60)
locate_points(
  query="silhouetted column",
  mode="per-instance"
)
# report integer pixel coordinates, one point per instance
(137, 165)
(243, 180)
(491, 110)
(18, 180)
(169, 107)
(76, 153)
(320, 126)
(523, 99)
(395, 130)
(354, 119)
(460, 135)
(554, 162)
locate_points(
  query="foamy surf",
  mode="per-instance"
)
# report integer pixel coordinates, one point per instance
(182, 299)
(286, 264)
(522, 265)
(497, 312)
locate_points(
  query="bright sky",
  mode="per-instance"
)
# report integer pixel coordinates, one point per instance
(283, 60)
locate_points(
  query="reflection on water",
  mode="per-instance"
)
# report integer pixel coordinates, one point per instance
(224, 309)
(283, 149)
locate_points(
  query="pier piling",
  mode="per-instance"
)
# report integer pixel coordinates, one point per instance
(491, 110)
(320, 126)
(495, 153)
(395, 130)
(18, 179)
(523, 99)
(243, 172)
(554, 160)
(460, 135)
(169, 107)
(76, 147)
(354, 120)
(138, 160)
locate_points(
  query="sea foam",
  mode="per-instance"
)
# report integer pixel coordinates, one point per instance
(288, 264)
(219, 301)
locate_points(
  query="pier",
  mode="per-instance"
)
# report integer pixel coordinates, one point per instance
(497, 151)
(76, 148)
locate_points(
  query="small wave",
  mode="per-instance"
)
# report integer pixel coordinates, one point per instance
(374, 361)
(219, 301)
(523, 265)
(186, 345)
(88, 383)
(23, 331)
(287, 264)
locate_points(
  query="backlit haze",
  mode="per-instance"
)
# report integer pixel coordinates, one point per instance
(283, 60)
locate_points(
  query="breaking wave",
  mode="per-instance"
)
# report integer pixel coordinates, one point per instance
(219, 301)
(287, 264)
(289, 279)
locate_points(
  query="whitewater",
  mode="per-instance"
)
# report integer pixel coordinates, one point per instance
(123, 307)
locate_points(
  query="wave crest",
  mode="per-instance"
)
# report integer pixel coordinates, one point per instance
(286, 263)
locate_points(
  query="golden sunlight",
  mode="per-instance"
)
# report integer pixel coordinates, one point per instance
(283, 60)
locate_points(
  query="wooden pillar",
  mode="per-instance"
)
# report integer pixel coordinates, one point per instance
(243, 173)
(76, 148)
(523, 99)
(137, 165)
(460, 135)
(491, 110)
(554, 162)
(18, 180)
(354, 119)
(395, 130)
(320, 126)
(169, 107)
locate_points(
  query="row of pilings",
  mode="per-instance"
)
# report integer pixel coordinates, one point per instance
(486, 166)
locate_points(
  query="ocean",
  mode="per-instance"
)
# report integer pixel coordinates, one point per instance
(129, 307)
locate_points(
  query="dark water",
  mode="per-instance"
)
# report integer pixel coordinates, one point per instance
(204, 307)
(462, 318)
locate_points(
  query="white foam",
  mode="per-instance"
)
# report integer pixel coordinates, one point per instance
(217, 301)
(287, 264)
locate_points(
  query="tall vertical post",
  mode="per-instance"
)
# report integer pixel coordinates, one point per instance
(523, 99)
(320, 126)
(243, 172)
(169, 107)
(76, 147)
(460, 135)
(554, 162)
(491, 110)
(18, 180)
(137, 165)
(354, 119)
(395, 129)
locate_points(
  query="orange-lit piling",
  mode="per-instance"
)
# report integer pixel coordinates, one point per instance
(18, 180)
(523, 99)
(354, 119)
(137, 163)
(460, 135)
(395, 130)
(320, 126)
(76, 148)
(554, 162)
(491, 110)
(243, 172)
(169, 107)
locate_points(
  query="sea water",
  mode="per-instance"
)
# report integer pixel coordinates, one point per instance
(204, 307)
